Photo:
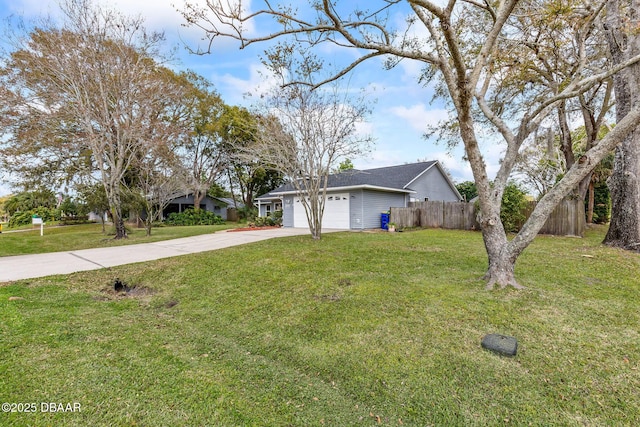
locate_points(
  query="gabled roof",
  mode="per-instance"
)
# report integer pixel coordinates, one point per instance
(229, 201)
(399, 176)
(392, 178)
(226, 200)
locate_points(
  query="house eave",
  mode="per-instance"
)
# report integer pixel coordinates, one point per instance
(276, 195)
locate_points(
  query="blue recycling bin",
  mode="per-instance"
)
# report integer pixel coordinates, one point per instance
(384, 220)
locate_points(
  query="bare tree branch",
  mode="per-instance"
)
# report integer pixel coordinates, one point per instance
(476, 50)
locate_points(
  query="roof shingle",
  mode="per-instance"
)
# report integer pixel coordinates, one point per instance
(397, 177)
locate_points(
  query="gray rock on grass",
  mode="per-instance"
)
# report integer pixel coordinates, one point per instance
(501, 344)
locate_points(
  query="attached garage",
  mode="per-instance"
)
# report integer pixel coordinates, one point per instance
(356, 198)
(336, 212)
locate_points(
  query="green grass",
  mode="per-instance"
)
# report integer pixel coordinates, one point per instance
(86, 236)
(356, 329)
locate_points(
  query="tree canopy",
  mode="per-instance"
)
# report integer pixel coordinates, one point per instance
(90, 99)
(89, 95)
(473, 48)
(303, 134)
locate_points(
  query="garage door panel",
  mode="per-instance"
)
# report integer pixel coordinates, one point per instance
(299, 215)
(336, 212)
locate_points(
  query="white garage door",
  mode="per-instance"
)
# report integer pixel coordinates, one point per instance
(336, 212)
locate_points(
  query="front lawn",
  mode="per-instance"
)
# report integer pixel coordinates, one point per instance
(356, 329)
(87, 236)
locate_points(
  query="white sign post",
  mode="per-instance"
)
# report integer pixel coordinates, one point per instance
(36, 221)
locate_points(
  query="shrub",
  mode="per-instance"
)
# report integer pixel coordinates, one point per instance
(514, 204)
(75, 219)
(30, 200)
(248, 213)
(602, 203)
(193, 217)
(467, 189)
(74, 208)
(20, 218)
(24, 217)
(275, 219)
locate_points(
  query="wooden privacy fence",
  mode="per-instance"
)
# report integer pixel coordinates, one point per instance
(566, 220)
(232, 214)
(450, 215)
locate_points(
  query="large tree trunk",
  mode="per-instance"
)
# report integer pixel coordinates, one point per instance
(121, 230)
(501, 270)
(118, 220)
(592, 125)
(624, 183)
(502, 261)
(112, 189)
(314, 217)
(198, 195)
(249, 196)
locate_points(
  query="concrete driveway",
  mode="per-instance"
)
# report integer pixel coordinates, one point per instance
(31, 266)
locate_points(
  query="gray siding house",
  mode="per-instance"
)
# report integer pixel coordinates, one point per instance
(217, 205)
(356, 198)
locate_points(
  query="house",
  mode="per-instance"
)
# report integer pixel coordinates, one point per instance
(97, 217)
(221, 206)
(356, 198)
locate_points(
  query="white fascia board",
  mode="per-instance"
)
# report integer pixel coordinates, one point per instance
(352, 187)
(276, 196)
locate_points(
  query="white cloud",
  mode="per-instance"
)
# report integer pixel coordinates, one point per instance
(379, 158)
(238, 90)
(164, 15)
(493, 153)
(158, 15)
(418, 116)
(400, 116)
(458, 168)
(31, 8)
(365, 128)
(412, 70)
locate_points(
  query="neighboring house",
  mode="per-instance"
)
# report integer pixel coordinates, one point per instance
(224, 206)
(218, 205)
(356, 198)
(96, 217)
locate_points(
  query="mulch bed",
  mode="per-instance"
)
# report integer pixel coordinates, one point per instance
(252, 228)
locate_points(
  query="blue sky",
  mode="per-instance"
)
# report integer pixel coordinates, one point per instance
(401, 112)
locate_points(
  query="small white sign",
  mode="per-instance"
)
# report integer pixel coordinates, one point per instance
(37, 221)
